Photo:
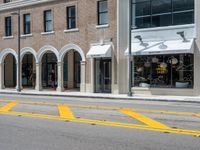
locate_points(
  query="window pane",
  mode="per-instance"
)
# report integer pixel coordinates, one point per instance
(142, 9)
(103, 6)
(167, 71)
(71, 12)
(143, 22)
(48, 26)
(27, 18)
(183, 18)
(8, 26)
(72, 23)
(161, 20)
(161, 6)
(48, 15)
(103, 18)
(180, 5)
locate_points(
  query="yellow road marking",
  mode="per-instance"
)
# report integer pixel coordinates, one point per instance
(8, 106)
(105, 123)
(108, 108)
(146, 120)
(65, 112)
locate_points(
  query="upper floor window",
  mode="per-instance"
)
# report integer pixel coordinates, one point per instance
(8, 26)
(27, 23)
(71, 17)
(7, 1)
(157, 13)
(48, 21)
(102, 12)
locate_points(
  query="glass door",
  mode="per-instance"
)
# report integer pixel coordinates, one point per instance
(103, 75)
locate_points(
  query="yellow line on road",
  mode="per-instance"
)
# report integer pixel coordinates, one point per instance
(146, 120)
(105, 123)
(108, 108)
(8, 106)
(65, 112)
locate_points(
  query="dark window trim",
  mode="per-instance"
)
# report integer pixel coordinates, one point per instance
(70, 17)
(26, 23)
(99, 13)
(8, 26)
(47, 21)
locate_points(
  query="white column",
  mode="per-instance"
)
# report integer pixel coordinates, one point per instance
(92, 75)
(38, 82)
(2, 76)
(60, 77)
(82, 87)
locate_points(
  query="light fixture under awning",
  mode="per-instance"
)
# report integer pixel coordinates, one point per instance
(100, 51)
(162, 47)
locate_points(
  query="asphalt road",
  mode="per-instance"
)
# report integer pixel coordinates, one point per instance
(18, 132)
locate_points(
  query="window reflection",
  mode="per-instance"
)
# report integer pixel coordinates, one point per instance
(156, 13)
(168, 71)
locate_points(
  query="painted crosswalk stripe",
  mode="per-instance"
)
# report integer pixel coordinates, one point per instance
(8, 106)
(146, 120)
(65, 112)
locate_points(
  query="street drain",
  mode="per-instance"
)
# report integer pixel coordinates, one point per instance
(93, 124)
(166, 132)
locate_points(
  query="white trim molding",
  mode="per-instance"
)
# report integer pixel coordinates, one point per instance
(21, 3)
(27, 50)
(71, 30)
(45, 49)
(47, 33)
(69, 47)
(7, 51)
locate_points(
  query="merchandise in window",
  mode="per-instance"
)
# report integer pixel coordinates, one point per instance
(164, 71)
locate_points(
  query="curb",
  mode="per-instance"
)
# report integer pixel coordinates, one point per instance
(191, 100)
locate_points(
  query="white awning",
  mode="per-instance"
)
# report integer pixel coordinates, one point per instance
(162, 47)
(100, 51)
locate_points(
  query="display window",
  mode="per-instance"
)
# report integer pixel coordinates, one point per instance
(167, 71)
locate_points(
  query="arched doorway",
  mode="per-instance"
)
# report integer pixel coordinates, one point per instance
(72, 70)
(28, 71)
(49, 70)
(10, 71)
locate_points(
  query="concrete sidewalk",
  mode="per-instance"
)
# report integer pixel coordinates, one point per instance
(190, 99)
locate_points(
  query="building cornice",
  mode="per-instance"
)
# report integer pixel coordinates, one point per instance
(21, 3)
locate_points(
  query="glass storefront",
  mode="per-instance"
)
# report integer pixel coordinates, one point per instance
(167, 71)
(49, 70)
(103, 75)
(27, 70)
(158, 13)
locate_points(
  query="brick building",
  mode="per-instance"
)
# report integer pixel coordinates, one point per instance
(59, 39)
(82, 45)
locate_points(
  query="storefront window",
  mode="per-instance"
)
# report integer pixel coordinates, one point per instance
(158, 13)
(167, 71)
